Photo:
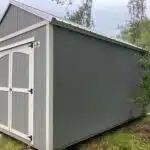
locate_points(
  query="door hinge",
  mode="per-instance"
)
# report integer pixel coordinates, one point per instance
(30, 137)
(31, 91)
(31, 45)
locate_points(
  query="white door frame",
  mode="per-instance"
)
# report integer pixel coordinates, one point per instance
(30, 51)
(5, 89)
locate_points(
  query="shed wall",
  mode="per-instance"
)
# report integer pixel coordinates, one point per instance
(17, 19)
(93, 83)
(39, 84)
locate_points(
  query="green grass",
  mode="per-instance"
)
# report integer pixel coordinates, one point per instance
(135, 136)
(7, 143)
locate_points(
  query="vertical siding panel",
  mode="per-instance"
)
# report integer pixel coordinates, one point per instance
(4, 65)
(20, 112)
(40, 91)
(4, 108)
(17, 19)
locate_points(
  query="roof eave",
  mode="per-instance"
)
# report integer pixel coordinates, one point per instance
(31, 10)
(82, 30)
(67, 24)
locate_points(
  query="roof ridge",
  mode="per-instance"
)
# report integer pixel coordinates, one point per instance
(13, 2)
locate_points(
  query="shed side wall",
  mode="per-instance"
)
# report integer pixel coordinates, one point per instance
(93, 82)
(39, 83)
(17, 19)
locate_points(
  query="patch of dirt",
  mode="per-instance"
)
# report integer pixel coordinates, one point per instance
(137, 128)
(142, 129)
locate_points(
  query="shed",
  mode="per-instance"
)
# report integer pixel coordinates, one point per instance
(61, 83)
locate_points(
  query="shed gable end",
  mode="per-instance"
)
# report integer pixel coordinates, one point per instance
(16, 19)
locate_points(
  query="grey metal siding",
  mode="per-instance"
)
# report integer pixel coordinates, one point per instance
(20, 71)
(93, 83)
(4, 63)
(4, 107)
(17, 19)
(39, 83)
(20, 112)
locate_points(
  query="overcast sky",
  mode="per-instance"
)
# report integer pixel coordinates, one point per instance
(107, 14)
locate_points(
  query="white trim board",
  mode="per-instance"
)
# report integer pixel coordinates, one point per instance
(10, 92)
(17, 44)
(28, 51)
(51, 79)
(21, 135)
(6, 89)
(49, 87)
(25, 30)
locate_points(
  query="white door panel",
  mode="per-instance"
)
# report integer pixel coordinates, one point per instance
(16, 86)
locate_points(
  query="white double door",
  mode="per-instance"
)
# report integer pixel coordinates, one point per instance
(16, 91)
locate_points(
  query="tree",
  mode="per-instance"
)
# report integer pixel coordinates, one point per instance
(137, 10)
(138, 23)
(134, 35)
(83, 15)
(137, 32)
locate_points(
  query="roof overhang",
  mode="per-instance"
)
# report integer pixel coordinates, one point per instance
(67, 24)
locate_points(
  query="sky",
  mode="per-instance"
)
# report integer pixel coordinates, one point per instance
(107, 14)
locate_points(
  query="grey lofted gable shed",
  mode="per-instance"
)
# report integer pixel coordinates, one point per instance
(61, 83)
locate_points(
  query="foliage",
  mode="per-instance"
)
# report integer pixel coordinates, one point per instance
(143, 40)
(137, 9)
(7, 143)
(137, 31)
(76, 16)
(83, 15)
(143, 94)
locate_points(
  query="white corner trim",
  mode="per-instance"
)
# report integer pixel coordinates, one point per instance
(32, 39)
(51, 90)
(49, 87)
(30, 28)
